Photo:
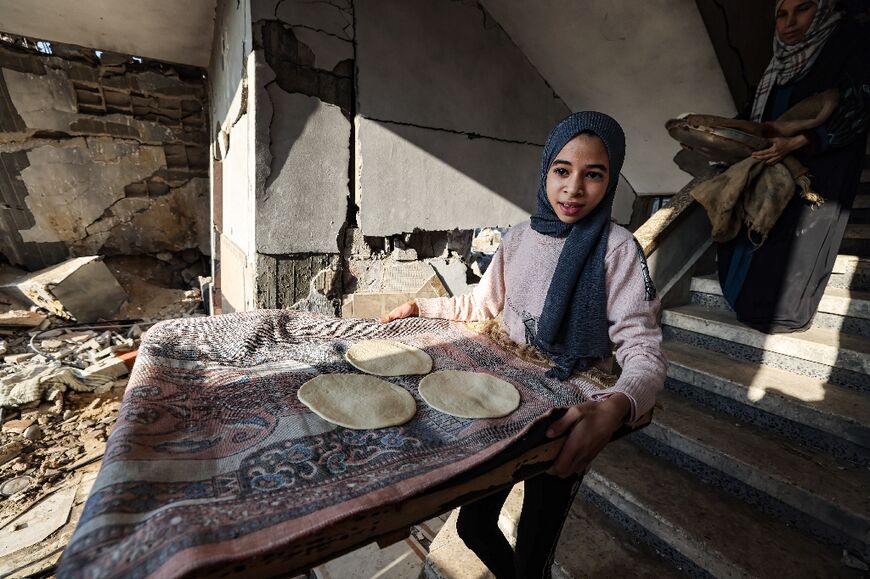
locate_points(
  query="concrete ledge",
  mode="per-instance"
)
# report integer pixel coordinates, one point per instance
(816, 345)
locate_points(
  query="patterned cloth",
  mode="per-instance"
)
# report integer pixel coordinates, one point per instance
(214, 460)
(790, 61)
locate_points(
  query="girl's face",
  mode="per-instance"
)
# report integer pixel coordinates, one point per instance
(578, 177)
(793, 19)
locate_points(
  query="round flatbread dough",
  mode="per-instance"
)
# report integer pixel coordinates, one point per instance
(388, 358)
(357, 401)
(469, 394)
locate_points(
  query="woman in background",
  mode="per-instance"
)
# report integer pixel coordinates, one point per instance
(777, 287)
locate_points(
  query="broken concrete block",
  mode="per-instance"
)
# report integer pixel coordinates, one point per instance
(50, 344)
(375, 305)
(17, 426)
(453, 273)
(111, 368)
(81, 288)
(9, 451)
(21, 319)
(18, 358)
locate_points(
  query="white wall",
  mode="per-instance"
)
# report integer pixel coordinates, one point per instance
(168, 30)
(643, 62)
(231, 72)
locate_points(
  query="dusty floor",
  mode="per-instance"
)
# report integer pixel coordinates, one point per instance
(51, 448)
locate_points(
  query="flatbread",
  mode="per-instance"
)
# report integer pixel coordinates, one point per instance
(388, 358)
(357, 401)
(469, 394)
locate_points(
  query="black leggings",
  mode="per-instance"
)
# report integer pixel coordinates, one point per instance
(546, 502)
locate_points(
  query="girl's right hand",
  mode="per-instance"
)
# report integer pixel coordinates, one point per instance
(406, 310)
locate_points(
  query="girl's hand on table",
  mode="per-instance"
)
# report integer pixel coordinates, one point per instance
(780, 148)
(592, 424)
(406, 310)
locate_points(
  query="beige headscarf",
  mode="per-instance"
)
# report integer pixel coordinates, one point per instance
(791, 61)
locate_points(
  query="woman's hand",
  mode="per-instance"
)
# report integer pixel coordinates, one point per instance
(780, 147)
(406, 310)
(592, 425)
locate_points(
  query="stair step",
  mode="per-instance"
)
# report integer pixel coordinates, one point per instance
(822, 353)
(835, 300)
(806, 488)
(857, 231)
(851, 272)
(593, 545)
(718, 533)
(840, 309)
(839, 413)
(862, 201)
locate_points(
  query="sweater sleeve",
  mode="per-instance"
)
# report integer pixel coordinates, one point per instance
(485, 302)
(632, 311)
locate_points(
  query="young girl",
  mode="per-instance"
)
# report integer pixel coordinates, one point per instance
(569, 283)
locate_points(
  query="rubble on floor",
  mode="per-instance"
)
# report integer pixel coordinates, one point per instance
(61, 386)
(81, 288)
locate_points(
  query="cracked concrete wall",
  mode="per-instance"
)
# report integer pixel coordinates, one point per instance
(452, 119)
(100, 155)
(352, 137)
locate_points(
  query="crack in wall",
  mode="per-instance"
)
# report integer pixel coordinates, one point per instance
(469, 135)
(292, 61)
(319, 30)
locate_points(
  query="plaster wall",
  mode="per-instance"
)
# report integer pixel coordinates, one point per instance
(167, 30)
(411, 178)
(641, 62)
(451, 121)
(306, 191)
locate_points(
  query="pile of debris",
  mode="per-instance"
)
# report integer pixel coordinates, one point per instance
(61, 386)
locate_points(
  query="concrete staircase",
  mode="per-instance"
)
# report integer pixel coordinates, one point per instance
(758, 462)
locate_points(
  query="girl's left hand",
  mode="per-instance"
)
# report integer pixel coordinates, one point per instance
(780, 147)
(592, 425)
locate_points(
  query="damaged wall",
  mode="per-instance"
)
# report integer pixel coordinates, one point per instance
(99, 155)
(233, 160)
(304, 96)
(354, 138)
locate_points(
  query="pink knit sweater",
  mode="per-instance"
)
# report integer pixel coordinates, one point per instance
(517, 281)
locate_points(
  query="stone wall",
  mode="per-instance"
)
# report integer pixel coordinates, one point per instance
(100, 155)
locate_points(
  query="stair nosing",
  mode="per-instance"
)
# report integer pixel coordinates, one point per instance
(857, 303)
(808, 345)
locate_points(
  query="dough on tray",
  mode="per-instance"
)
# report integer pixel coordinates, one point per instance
(469, 394)
(388, 358)
(357, 401)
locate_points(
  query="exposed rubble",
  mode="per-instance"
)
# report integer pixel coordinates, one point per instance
(61, 386)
